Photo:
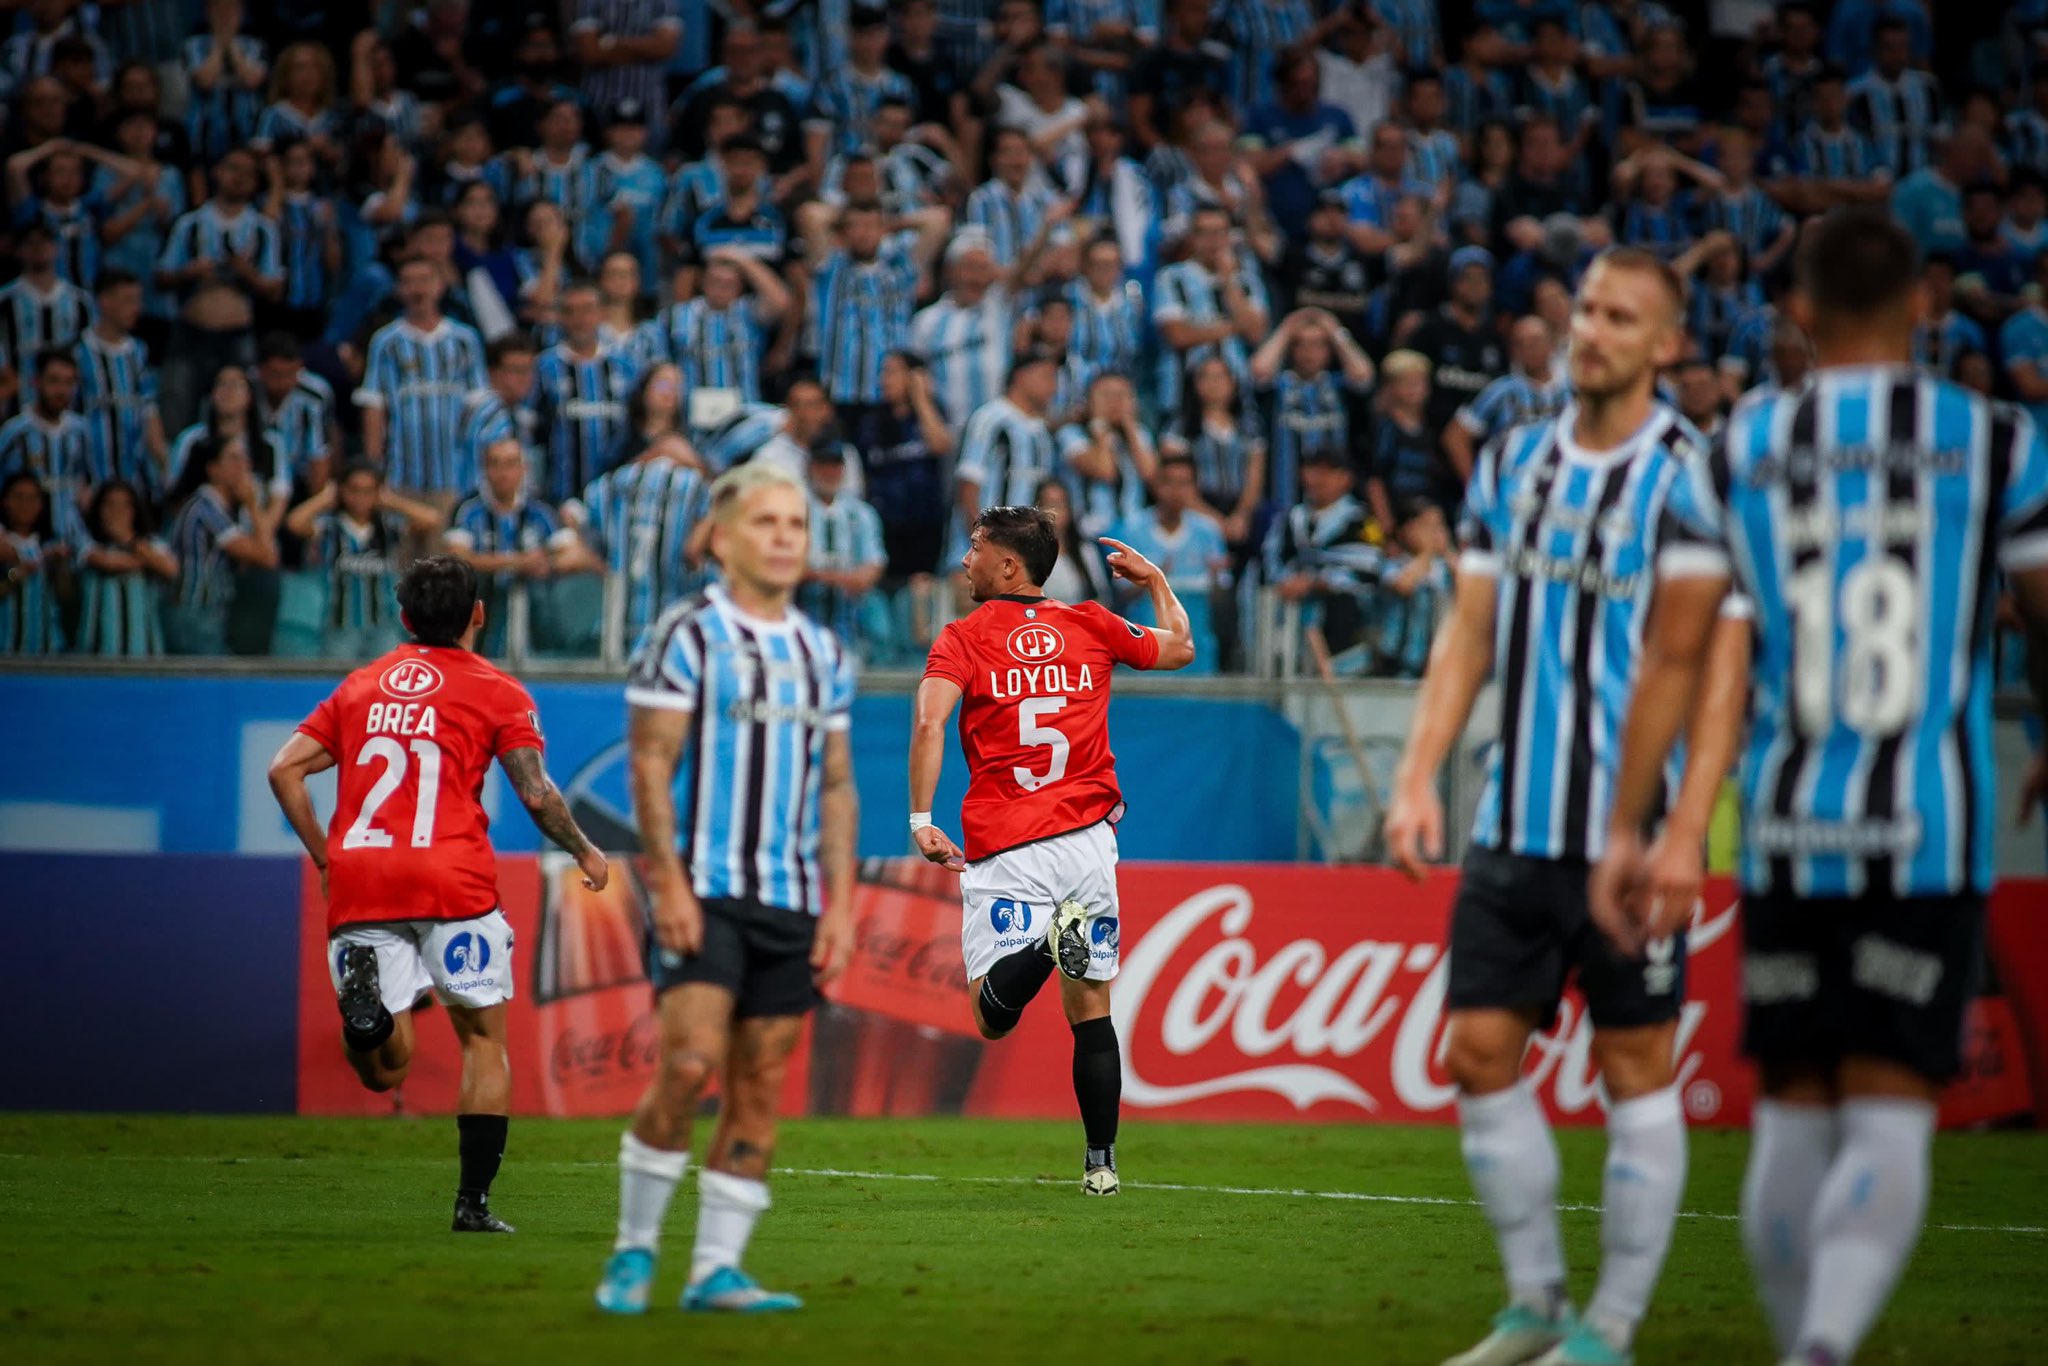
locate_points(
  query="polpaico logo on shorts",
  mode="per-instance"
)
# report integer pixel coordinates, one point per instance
(1007, 916)
(467, 955)
(1103, 934)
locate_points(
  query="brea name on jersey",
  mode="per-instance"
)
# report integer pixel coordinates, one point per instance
(401, 718)
(1039, 680)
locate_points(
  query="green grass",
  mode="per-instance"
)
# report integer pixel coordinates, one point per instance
(179, 1239)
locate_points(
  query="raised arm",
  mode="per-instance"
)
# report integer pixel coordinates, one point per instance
(932, 709)
(543, 801)
(1458, 665)
(1175, 635)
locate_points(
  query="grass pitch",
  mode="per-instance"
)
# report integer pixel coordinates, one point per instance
(173, 1239)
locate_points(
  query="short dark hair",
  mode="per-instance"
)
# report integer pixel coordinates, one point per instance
(437, 597)
(1026, 533)
(1891, 23)
(351, 468)
(112, 278)
(1179, 462)
(516, 342)
(55, 355)
(1856, 262)
(279, 345)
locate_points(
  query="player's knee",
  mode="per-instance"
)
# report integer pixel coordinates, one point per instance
(1478, 1065)
(684, 1075)
(981, 1024)
(1633, 1062)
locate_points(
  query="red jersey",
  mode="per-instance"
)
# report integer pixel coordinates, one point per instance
(1034, 715)
(412, 737)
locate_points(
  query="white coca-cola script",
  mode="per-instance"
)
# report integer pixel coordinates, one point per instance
(1222, 1005)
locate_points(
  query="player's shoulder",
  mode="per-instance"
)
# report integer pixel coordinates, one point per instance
(690, 616)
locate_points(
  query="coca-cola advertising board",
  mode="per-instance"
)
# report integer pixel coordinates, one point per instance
(1248, 992)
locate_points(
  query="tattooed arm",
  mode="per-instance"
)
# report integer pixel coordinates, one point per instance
(543, 801)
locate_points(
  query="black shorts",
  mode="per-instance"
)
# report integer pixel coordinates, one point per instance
(761, 954)
(1880, 977)
(1521, 927)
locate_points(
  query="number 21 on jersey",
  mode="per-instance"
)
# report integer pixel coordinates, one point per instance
(365, 834)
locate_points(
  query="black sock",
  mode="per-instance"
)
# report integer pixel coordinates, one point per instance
(481, 1141)
(1098, 1086)
(1011, 984)
(372, 1041)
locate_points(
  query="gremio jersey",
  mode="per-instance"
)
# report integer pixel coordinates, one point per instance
(762, 696)
(1570, 537)
(1867, 516)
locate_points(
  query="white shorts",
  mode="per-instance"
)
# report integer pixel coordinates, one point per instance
(1007, 901)
(466, 962)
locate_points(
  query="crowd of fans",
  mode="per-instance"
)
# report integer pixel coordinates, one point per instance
(1245, 283)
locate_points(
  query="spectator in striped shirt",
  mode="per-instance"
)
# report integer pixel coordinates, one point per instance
(1211, 303)
(1842, 165)
(229, 416)
(743, 217)
(512, 539)
(296, 406)
(123, 567)
(1533, 390)
(2026, 130)
(1217, 429)
(222, 523)
(1897, 107)
(221, 258)
(1214, 179)
(1313, 383)
(420, 369)
(301, 108)
(378, 98)
(1102, 38)
(48, 185)
(580, 391)
(503, 409)
(846, 557)
(1110, 458)
(141, 208)
(357, 528)
(1738, 206)
(1110, 328)
(965, 335)
(311, 231)
(117, 390)
(1007, 451)
(624, 47)
(848, 99)
(48, 440)
(1015, 207)
(624, 193)
(717, 339)
(647, 520)
(31, 556)
(226, 73)
(38, 312)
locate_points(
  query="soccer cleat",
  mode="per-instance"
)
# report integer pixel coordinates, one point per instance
(730, 1290)
(1068, 936)
(474, 1217)
(627, 1276)
(1099, 1181)
(1584, 1346)
(362, 1001)
(1519, 1335)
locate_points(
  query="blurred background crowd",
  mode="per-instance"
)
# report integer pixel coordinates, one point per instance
(300, 290)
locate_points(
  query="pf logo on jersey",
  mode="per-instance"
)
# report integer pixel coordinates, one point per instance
(1033, 643)
(410, 679)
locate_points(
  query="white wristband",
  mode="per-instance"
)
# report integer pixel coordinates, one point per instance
(920, 820)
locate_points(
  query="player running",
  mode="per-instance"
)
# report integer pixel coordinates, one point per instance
(1866, 516)
(740, 704)
(1038, 875)
(406, 863)
(1561, 523)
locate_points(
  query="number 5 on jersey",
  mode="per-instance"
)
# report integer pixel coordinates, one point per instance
(1032, 735)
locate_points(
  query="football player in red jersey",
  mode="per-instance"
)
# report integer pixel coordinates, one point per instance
(406, 863)
(1038, 874)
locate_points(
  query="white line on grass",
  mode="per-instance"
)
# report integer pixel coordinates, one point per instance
(1284, 1192)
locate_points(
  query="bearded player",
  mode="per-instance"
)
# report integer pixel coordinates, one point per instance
(406, 863)
(1038, 874)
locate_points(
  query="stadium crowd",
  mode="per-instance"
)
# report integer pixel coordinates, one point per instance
(302, 289)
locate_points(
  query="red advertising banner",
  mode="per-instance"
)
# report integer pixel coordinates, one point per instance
(1259, 992)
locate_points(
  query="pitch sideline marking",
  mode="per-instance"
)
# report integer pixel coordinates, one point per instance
(1284, 1192)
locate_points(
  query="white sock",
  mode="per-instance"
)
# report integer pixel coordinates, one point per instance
(727, 1207)
(647, 1179)
(1645, 1176)
(1866, 1219)
(1512, 1160)
(1790, 1149)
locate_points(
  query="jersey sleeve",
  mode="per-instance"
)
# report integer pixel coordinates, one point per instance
(667, 669)
(948, 658)
(1692, 535)
(2023, 502)
(518, 722)
(323, 727)
(1129, 643)
(1479, 527)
